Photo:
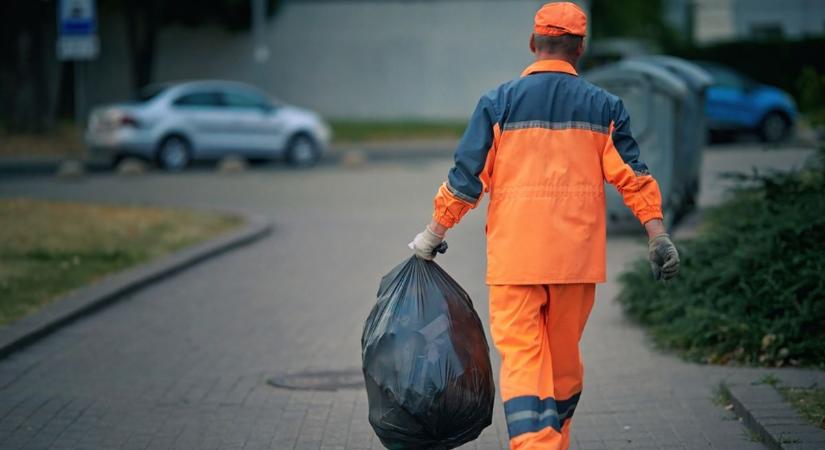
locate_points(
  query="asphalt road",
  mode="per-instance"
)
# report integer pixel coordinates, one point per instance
(184, 363)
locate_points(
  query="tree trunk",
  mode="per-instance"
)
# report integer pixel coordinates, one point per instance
(141, 26)
(27, 66)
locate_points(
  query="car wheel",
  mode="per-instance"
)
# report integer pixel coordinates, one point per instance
(174, 153)
(115, 161)
(302, 151)
(774, 127)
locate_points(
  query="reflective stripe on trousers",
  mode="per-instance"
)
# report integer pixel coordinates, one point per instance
(530, 414)
(537, 329)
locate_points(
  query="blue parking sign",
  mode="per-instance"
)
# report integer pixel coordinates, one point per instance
(77, 30)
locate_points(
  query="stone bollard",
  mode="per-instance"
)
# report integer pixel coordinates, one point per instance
(232, 164)
(353, 158)
(71, 168)
(132, 166)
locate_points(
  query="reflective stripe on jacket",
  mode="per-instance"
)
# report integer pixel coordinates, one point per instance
(542, 146)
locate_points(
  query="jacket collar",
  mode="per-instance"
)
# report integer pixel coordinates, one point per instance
(549, 65)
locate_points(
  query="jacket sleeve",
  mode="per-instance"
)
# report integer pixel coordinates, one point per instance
(470, 176)
(623, 169)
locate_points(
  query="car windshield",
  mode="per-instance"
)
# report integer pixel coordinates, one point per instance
(150, 92)
(724, 76)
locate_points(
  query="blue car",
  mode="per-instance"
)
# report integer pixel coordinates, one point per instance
(738, 103)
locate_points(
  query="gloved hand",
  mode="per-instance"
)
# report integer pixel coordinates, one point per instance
(425, 244)
(664, 258)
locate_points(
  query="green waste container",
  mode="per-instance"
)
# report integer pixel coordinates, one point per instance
(692, 135)
(656, 100)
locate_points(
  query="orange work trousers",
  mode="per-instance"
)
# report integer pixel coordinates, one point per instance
(537, 329)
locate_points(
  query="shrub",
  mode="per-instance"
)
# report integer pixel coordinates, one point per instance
(752, 284)
(776, 62)
(811, 87)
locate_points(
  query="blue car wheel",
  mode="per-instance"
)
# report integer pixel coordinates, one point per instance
(774, 127)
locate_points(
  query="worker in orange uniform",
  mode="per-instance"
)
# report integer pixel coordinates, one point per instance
(542, 146)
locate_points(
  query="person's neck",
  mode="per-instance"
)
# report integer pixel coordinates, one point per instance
(558, 57)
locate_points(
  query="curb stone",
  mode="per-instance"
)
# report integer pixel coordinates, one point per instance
(766, 413)
(89, 299)
(397, 150)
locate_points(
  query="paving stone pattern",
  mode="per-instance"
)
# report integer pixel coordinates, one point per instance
(183, 364)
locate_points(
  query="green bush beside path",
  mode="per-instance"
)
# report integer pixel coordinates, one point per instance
(751, 289)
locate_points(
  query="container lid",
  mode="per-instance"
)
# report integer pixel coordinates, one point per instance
(696, 77)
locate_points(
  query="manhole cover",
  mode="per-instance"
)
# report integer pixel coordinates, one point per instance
(330, 380)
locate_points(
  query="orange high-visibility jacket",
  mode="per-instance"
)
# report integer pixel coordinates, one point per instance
(542, 146)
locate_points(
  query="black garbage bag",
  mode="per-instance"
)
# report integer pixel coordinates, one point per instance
(426, 361)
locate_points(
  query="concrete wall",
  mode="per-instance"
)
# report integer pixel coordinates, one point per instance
(367, 59)
(392, 59)
(726, 20)
(796, 18)
(713, 21)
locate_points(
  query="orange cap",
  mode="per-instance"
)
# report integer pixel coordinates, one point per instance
(556, 19)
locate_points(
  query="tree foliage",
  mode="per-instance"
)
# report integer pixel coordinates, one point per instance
(30, 73)
(27, 65)
(642, 19)
(232, 14)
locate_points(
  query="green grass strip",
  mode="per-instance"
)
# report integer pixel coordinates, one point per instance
(48, 249)
(365, 131)
(808, 401)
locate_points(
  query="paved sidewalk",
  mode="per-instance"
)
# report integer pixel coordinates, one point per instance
(184, 363)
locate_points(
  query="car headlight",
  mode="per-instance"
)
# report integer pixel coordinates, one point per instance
(324, 130)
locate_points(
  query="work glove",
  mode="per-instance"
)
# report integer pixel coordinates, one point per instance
(426, 243)
(664, 258)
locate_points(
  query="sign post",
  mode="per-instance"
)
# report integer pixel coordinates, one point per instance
(260, 52)
(77, 41)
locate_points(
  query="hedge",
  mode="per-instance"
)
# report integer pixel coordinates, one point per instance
(752, 284)
(775, 62)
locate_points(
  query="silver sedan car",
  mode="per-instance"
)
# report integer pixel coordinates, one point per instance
(176, 123)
